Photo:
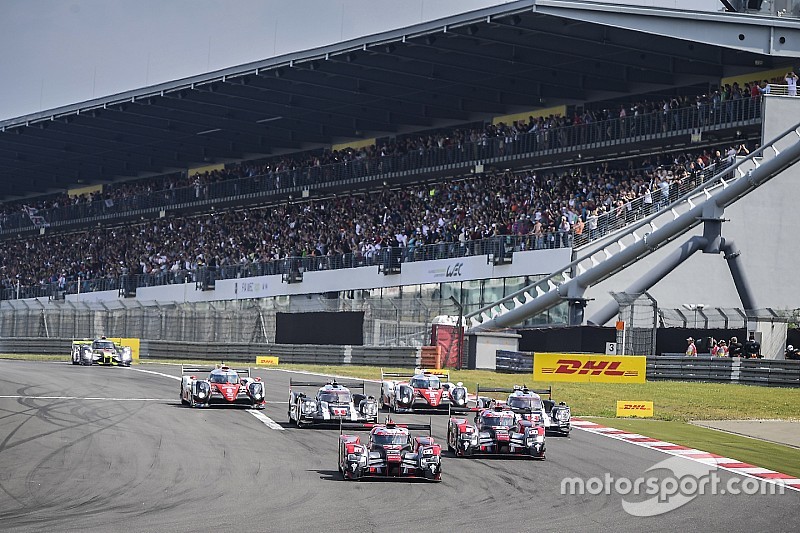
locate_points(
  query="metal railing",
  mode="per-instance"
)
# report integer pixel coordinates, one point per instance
(274, 185)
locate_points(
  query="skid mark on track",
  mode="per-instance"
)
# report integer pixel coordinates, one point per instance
(25, 397)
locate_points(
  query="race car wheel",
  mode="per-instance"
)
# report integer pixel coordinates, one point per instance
(184, 402)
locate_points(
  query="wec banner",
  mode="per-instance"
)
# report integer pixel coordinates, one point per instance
(593, 368)
(628, 408)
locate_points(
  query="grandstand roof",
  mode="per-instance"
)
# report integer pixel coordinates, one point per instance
(515, 57)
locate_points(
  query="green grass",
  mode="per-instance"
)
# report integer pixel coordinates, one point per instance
(673, 400)
(764, 454)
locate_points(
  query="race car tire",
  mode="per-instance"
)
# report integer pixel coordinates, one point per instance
(184, 402)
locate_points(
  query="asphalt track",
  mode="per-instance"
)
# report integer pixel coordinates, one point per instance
(112, 450)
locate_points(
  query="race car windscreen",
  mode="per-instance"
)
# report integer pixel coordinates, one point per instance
(495, 421)
(426, 382)
(224, 378)
(103, 345)
(339, 396)
(397, 438)
(516, 402)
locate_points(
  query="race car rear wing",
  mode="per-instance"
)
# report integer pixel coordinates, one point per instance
(362, 426)
(348, 384)
(548, 391)
(189, 369)
(439, 372)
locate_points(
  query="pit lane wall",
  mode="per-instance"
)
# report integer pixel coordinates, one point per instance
(763, 225)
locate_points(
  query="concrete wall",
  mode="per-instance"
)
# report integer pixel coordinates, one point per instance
(764, 225)
(531, 263)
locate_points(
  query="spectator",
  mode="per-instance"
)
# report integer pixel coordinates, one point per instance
(752, 348)
(735, 347)
(720, 349)
(691, 349)
(791, 82)
(792, 354)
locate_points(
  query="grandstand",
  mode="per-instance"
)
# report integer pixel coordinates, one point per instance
(468, 158)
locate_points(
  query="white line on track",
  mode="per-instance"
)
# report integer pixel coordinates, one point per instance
(267, 421)
(87, 398)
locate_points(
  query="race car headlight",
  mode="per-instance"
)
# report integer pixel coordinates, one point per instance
(563, 415)
(427, 451)
(126, 352)
(406, 395)
(539, 438)
(309, 406)
(369, 408)
(201, 394)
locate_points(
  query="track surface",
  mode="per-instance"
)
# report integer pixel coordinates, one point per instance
(149, 464)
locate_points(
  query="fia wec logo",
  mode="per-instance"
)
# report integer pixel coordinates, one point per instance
(454, 270)
(590, 367)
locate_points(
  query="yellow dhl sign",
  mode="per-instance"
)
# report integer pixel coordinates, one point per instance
(630, 408)
(594, 368)
(436, 371)
(132, 343)
(267, 360)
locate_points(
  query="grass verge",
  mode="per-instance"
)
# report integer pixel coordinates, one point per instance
(674, 400)
(764, 454)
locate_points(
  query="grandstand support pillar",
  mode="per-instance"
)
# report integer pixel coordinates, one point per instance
(731, 254)
(656, 274)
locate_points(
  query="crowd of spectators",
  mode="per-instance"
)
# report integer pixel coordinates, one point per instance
(473, 142)
(533, 209)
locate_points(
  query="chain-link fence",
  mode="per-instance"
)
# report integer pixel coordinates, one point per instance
(387, 322)
(639, 313)
(700, 316)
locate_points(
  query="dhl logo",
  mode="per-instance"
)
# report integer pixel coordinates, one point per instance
(568, 367)
(639, 408)
(634, 406)
(590, 367)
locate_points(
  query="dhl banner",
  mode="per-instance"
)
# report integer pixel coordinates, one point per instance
(133, 343)
(594, 368)
(437, 371)
(267, 360)
(629, 408)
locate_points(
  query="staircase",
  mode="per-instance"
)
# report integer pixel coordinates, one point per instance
(602, 259)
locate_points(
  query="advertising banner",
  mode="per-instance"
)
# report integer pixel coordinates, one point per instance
(638, 408)
(592, 368)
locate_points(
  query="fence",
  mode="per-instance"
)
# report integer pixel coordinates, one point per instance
(239, 352)
(387, 321)
(768, 372)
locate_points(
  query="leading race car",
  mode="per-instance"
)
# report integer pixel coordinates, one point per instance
(422, 390)
(333, 402)
(390, 452)
(556, 417)
(224, 386)
(100, 351)
(497, 431)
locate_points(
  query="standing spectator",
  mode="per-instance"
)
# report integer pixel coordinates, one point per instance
(720, 349)
(691, 350)
(791, 81)
(752, 348)
(735, 347)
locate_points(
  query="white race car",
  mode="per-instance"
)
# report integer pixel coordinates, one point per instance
(556, 417)
(224, 386)
(422, 390)
(333, 402)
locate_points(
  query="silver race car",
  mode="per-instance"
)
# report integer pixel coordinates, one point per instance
(332, 403)
(556, 417)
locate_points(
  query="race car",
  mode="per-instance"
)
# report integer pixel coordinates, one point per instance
(556, 417)
(422, 390)
(100, 352)
(224, 386)
(390, 452)
(333, 402)
(498, 431)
